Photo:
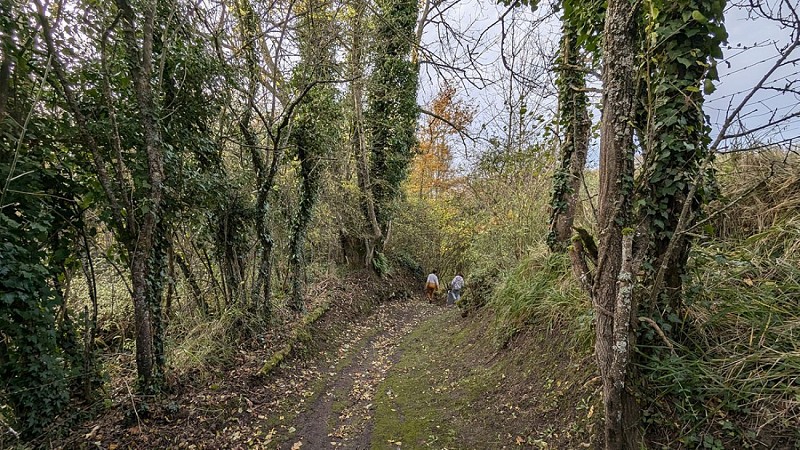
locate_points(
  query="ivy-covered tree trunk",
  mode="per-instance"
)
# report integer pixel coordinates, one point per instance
(392, 115)
(135, 196)
(265, 179)
(145, 252)
(315, 126)
(308, 195)
(614, 309)
(573, 118)
(688, 34)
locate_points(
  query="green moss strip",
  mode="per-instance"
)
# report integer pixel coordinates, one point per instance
(299, 334)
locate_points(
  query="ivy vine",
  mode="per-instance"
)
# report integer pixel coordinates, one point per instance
(392, 106)
(683, 41)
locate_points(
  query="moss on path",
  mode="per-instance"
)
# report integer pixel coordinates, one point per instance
(451, 389)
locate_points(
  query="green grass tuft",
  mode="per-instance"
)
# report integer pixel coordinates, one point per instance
(734, 375)
(542, 292)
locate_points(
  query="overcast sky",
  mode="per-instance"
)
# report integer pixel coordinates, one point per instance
(753, 47)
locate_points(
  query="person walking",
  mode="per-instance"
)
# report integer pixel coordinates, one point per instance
(431, 285)
(455, 289)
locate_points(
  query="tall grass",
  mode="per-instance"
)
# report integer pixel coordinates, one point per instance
(765, 187)
(740, 362)
(734, 378)
(541, 292)
(197, 342)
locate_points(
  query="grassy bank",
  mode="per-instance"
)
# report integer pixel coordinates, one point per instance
(453, 389)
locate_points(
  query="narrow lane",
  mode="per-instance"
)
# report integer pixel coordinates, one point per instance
(341, 414)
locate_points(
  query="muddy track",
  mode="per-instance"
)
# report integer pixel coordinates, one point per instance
(342, 415)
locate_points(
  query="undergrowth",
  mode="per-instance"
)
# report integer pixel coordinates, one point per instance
(198, 342)
(541, 292)
(733, 378)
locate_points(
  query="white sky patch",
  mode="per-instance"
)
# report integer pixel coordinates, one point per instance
(753, 47)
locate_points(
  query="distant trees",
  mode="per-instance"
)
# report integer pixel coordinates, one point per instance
(431, 169)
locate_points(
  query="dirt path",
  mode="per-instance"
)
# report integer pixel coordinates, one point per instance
(323, 400)
(341, 414)
(408, 375)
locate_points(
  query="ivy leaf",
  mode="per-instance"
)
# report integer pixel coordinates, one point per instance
(698, 16)
(708, 86)
(685, 61)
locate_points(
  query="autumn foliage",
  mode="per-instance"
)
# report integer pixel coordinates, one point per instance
(432, 171)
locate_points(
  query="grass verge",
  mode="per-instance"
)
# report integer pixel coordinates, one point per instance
(541, 293)
(452, 389)
(733, 380)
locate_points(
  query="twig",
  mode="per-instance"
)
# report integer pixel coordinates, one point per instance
(659, 331)
(133, 403)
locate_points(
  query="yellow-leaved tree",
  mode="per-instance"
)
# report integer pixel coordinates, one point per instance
(431, 170)
(431, 229)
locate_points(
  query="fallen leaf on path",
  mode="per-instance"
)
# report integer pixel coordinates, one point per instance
(297, 445)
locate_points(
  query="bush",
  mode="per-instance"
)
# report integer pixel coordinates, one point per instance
(479, 291)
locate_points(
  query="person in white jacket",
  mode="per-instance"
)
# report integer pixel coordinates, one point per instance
(455, 289)
(431, 286)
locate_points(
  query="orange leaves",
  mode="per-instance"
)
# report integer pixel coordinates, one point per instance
(431, 170)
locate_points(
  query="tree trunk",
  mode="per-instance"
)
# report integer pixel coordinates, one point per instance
(358, 139)
(575, 124)
(146, 276)
(308, 194)
(138, 222)
(142, 321)
(392, 115)
(265, 239)
(612, 345)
